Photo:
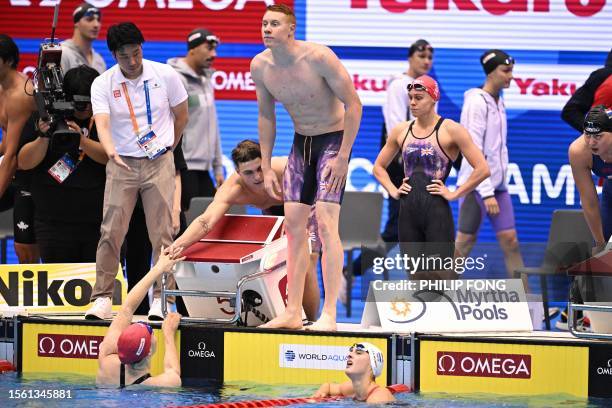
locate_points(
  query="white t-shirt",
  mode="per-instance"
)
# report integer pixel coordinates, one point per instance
(166, 91)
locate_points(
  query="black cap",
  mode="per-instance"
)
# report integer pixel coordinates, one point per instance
(85, 9)
(200, 36)
(419, 45)
(599, 119)
(491, 59)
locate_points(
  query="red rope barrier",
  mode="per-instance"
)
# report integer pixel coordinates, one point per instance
(281, 402)
(6, 365)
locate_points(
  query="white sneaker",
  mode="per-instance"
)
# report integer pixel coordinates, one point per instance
(101, 309)
(155, 311)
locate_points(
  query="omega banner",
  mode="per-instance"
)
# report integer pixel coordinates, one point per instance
(511, 369)
(52, 288)
(61, 347)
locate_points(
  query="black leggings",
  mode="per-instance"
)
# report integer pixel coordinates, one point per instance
(62, 243)
(426, 226)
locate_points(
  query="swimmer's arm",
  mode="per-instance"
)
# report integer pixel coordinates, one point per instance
(18, 113)
(580, 158)
(266, 120)
(224, 199)
(133, 299)
(279, 163)
(474, 157)
(339, 81)
(335, 390)
(171, 377)
(385, 157)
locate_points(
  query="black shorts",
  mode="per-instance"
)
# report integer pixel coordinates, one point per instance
(23, 218)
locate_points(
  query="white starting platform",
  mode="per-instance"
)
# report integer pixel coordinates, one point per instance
(236, 273)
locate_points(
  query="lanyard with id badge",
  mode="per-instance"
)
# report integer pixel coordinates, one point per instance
(147, 140)
(66, 165)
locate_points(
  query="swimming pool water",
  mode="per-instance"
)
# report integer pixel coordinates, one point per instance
(84, 394)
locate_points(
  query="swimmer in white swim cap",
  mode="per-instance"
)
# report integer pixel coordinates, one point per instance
(365, 363)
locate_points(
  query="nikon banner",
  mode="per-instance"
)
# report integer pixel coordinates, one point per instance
(53, 288)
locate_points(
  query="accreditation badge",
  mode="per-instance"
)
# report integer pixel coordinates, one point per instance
(149, 144)
(62, 168)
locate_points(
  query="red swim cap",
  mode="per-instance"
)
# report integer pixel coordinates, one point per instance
(427, 84)
(134, 343)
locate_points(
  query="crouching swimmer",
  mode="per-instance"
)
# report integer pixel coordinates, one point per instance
(125, 353)
(364, 364)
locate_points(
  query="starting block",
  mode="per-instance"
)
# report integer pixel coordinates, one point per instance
(237, 272)
(596, 289)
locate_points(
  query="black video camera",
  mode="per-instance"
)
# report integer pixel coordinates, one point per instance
(51, 100)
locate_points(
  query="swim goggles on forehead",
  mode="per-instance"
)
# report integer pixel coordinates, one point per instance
(92, 12)
(508, 61)
(423, 47)
(213, 39)
(358, 347)
(416, 87)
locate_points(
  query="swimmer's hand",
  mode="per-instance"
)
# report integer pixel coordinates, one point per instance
(171, 323)
(491, 205)
(271, 184)
(168, 258)
(323, 391)
(174, 249)
(405, 188)
(335, 172)
(438, 188)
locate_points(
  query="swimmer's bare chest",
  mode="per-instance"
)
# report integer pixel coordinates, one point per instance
(304, 94)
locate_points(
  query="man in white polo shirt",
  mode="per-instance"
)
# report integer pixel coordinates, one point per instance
(140, 109)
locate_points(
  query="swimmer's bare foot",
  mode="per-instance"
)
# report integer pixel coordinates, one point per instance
(325, 323)
(284, 321)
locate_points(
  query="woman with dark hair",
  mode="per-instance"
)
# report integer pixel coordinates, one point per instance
(68, 177)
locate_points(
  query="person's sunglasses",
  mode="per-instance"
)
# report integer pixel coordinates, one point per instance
(416, 87)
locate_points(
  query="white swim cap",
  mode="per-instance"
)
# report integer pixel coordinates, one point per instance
(376, 356)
